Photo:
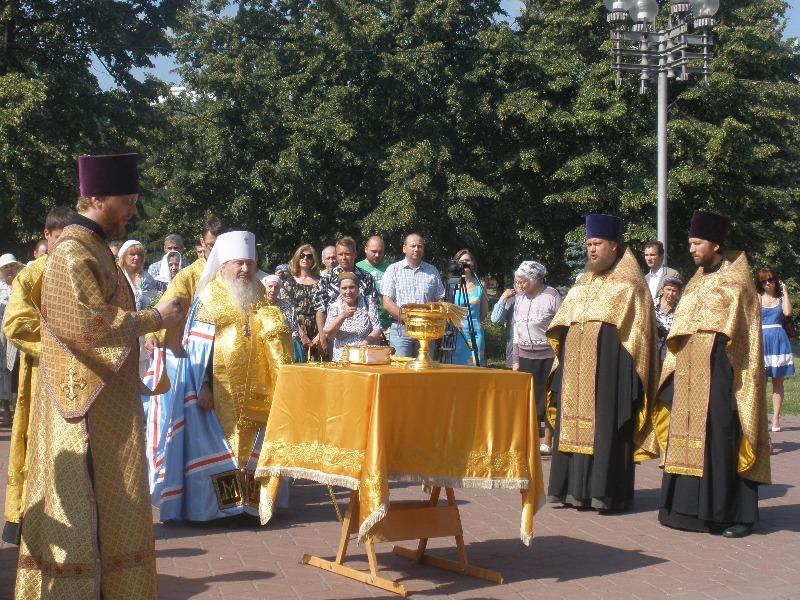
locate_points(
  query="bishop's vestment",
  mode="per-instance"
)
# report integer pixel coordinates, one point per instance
(201, 462)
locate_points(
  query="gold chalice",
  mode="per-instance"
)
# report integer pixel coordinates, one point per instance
(426, 323)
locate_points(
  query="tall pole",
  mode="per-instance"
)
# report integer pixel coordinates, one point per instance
(663, 84)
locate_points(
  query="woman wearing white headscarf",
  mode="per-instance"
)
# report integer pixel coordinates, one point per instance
(533, 306)
(169, 267)
(131, 260)
(145, 288)
(273, 284)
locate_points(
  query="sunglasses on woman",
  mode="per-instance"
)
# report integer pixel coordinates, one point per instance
(768, 280)
(307, 256)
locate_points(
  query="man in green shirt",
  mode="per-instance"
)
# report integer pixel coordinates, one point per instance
(375, 264)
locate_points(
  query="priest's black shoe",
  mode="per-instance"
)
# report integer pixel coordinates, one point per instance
(739, 530)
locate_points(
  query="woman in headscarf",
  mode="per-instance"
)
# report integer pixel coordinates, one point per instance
(169, 267)
(131, 260)
(534, 304)
(273, 284)
(350, 319)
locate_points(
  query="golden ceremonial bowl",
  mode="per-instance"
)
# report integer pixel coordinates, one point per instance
(426, 323)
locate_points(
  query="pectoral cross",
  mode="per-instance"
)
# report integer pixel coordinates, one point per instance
(69, 387)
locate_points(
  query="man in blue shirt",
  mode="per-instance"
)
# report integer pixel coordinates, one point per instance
(409, 281)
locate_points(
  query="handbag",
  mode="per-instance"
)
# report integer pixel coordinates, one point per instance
(788, 327)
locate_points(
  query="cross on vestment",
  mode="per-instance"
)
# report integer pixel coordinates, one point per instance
(72, 383)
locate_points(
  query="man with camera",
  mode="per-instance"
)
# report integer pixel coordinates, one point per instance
(409, 281)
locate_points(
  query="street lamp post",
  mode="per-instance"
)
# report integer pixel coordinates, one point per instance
(671, 53)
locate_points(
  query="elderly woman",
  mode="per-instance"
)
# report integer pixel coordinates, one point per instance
(169, 267)
(666, 301)
(478, 305)
(533, 306)
(273, 285)
(145, 288)
(350, 319)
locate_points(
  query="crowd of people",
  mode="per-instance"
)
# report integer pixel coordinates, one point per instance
(111, 360)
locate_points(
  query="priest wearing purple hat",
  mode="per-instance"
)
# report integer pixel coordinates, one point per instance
(604, 377)
(87, 525)
(711, 394)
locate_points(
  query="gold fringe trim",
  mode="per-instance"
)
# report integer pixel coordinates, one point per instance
(372, 520)
(265, 506)
(478, 483)
(300, 473)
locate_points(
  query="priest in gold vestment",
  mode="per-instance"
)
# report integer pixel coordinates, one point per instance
(711, 394)
(604, 376)
(87, 528)
(204, 436)
(21, 327)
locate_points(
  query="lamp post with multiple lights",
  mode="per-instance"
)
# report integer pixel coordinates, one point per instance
(670, 53)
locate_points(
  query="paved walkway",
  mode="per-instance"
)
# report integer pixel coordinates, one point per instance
(574, 555)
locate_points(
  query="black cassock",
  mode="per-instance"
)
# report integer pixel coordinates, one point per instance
(605, 479)
(720, 496)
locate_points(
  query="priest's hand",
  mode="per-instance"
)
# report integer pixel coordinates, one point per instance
(205, 399)
(171, 313)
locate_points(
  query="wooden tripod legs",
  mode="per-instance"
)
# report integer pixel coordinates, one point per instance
(407, 520)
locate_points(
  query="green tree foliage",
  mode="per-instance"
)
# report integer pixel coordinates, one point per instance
(51, 107)
(733, 145)
(314, 119)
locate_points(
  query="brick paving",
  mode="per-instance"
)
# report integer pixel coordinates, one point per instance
(573, 555)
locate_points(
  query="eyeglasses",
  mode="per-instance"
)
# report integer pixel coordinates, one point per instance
(768, 280)
(306, 256)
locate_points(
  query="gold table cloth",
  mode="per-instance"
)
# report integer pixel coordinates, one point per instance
(360, 426)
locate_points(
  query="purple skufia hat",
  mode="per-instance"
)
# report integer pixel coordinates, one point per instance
(605, 227)
(708, 226)
(108, 174)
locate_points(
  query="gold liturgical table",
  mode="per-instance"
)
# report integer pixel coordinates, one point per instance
(361, 426)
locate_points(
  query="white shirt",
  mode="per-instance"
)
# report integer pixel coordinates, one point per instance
(655, 277)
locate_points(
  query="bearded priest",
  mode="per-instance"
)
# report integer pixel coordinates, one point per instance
(712, 385)
(87, 530)
(204, 437)
(604, 376)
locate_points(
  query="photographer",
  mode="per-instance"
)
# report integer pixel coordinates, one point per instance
(473, 297)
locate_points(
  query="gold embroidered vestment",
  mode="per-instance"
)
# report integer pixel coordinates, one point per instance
(723, 302)
(21, 327)
(87, 521)
(247, 357)
(618, 297)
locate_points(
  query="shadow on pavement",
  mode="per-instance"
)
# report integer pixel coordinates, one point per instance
(784, 447)
(785, 517)
(180, 588)
(543, 560)
(773, 490)
(180, 552)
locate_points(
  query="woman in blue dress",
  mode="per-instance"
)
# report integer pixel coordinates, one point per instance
(478, 309)
(778, 357)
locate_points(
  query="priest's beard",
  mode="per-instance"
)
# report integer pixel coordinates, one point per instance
(244, 294)
(602, 264)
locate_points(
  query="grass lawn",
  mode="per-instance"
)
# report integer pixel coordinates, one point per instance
(496, 351)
